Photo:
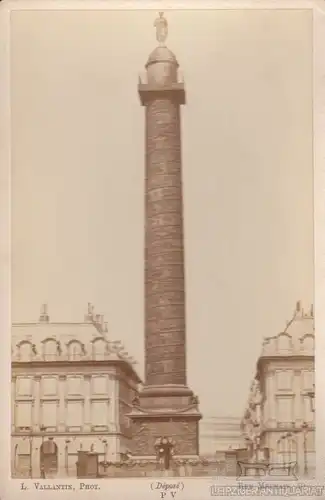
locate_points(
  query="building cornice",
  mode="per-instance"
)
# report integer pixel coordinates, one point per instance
(78, 365)
(263, 360)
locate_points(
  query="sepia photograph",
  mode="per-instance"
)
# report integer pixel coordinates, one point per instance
(162, 244)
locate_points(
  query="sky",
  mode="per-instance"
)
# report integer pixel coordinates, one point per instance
(78, 178)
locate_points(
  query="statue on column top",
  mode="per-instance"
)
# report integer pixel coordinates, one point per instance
(161, 26)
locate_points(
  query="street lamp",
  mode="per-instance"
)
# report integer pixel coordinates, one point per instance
(67, 442)
(304, 428)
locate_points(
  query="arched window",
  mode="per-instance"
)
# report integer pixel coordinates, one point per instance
(284, 342)
(25, 351)
(22, 459)
(308, 343)
(287, 449)
(75, 350)
(99, 349)
(48, 458)
(50, 349)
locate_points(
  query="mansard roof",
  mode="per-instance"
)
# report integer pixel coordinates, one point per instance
(296, 339)
(91, 335)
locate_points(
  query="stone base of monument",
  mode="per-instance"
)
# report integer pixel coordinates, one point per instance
(165, 412)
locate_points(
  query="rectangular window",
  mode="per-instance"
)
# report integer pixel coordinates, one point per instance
(284, 380)
(99, 413)
(23, 414)
(285, 410)
(308, 380)
(49, 413)
(74, 414)
(49, 386)
(99, 384)
(308, 414)
(75, 386)
(24, 386)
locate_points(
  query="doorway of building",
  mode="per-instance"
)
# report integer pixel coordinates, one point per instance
(48, 458)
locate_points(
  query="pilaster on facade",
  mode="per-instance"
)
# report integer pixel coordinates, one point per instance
(13, 400)
(114, 407)
(87, 403)
(62, 404)
(36, 403)
(297, 401)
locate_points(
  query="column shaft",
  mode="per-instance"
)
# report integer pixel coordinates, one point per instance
(164, 247)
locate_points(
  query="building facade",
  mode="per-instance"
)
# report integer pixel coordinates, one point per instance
(219, 434)
(72, 388)
(279, 421)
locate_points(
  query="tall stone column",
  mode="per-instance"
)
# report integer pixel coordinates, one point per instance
(165, 397)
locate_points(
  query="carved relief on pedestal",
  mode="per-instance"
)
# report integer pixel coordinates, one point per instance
(184, 434)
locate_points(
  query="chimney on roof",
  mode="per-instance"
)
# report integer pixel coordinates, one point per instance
(298, 306)
(89, 317)
(44, 317)
(102, 322)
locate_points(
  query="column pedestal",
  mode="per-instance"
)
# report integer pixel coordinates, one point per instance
(170, 411)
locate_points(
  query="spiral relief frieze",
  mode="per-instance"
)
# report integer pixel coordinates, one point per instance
(164, 193)
(159, 232)
(166, 338)
(166, 258)
(164, 286)
(173, 297)
(164, 255)
(159, 275)
(163, 207)
(160, 181)
(167, 244)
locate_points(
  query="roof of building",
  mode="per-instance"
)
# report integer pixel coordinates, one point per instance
(86, 342)
(297, 338)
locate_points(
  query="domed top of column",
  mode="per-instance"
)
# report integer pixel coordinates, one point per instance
(162, 64)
